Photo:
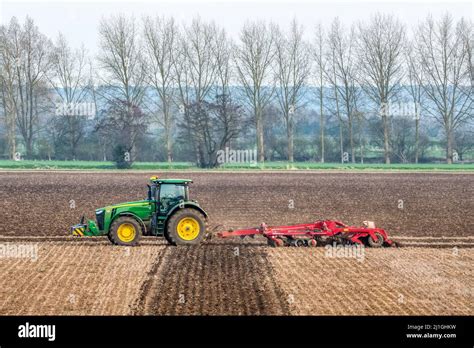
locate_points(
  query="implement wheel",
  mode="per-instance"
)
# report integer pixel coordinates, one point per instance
(186, 227)
(376, 243)
(275, 243)
(125, 231)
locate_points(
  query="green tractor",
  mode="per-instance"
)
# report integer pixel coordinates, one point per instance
(167, 212)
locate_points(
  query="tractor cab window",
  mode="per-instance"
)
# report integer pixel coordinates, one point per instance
(171, 195)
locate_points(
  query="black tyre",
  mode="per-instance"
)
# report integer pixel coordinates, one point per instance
(186, 227)
(125, 230)
(376, 243)
(167, 237)
(275, 243)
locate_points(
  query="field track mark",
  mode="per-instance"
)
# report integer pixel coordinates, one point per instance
(138, 307)
(217, 280)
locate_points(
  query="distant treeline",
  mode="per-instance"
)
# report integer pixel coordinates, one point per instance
(375, 91)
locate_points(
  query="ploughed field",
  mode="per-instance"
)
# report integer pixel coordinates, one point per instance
(228, 278)
(407, 204)
(429, 213)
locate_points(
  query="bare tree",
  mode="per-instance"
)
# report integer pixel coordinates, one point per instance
(292, 72)
(161, 37)
(415, 81)
(320, 58)
(444, 60)
(204, 73)
(199, 48)
(124, 74)
(214, 121)
(333, 78)
(32, 70)
(69, 78)
(196, 74)
(345, 68)
(227, 113)
(254, 57)
(25, 63)
(380, 60)
(9, 58)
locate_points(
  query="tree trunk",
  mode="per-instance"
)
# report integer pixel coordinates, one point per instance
(351, 138)
(11, 135)
(169, 154)
(386, 144)
(290, 141)
(321, 120)
(260, 148)
(361, 140)
(9, 111)
(29, 148)
(449, 146)
(417, 137)
(168, 148)
(167, 122)
(73, 143)
(341, 141)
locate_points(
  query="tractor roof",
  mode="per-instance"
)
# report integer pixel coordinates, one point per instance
(156, 180)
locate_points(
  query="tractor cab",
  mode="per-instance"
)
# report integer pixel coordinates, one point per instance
(168, 193)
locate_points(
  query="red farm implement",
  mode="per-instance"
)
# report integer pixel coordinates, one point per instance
(319, 232)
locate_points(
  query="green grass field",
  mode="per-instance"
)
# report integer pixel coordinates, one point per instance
(96, 165)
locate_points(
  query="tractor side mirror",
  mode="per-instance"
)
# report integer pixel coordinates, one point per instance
(149, 192)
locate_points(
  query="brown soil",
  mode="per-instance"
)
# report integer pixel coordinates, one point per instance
(73, 279)
(407, 204)
(225, 278)
(215, 279)
(407, 281)
(242, 277)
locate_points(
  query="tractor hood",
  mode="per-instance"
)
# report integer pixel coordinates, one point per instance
(142, 203)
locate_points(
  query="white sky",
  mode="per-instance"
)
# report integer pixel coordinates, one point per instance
(78, 21)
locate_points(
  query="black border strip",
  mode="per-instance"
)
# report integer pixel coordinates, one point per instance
(137, 330)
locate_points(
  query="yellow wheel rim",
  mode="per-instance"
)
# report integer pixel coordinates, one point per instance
(188, 228)
(126, 232)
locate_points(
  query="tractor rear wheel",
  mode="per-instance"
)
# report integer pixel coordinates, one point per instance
(376, 243)
(186, 227)
(125, 231)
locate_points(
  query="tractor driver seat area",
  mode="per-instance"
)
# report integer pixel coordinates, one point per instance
(170, 195)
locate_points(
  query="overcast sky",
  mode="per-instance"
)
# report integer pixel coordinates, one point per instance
(78, 21)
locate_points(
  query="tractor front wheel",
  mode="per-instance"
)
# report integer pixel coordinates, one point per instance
(125, 231)
(186, 227)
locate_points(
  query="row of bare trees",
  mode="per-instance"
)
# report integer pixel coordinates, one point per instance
(206, 89)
